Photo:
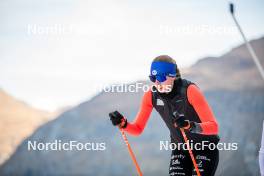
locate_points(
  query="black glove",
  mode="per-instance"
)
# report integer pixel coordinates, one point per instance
(181, 121)
(117, 118)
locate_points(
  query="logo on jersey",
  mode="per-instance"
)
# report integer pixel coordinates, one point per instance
(160, 102)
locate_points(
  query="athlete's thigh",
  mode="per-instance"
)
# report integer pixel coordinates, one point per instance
(207, 161)
(180, 163)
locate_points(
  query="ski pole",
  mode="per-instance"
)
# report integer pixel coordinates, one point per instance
(190, 152)
(248, 45)
(131, 152)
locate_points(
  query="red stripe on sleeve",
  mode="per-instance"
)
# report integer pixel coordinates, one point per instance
(137, 126)
(208, 123)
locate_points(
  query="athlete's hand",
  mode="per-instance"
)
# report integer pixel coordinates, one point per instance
(181, 122)
(185, 124)
(118, 119)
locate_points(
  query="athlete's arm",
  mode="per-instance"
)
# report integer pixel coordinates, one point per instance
(137, 126)
(208, 123)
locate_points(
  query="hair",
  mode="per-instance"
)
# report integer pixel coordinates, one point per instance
(168, 59)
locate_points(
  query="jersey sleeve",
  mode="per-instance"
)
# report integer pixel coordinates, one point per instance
(137, 126)
(208, 125)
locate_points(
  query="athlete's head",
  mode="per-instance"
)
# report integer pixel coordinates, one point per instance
(163, 72)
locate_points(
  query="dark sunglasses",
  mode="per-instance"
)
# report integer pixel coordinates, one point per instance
(160, 77)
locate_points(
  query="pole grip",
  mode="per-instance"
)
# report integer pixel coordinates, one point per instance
(232, 8)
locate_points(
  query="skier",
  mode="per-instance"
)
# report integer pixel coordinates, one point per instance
(181, 105)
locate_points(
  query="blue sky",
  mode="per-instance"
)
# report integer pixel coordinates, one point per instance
(90, 43)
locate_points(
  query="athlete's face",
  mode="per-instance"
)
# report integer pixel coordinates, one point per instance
(165, 86)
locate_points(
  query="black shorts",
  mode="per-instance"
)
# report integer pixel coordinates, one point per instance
(181, 162)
